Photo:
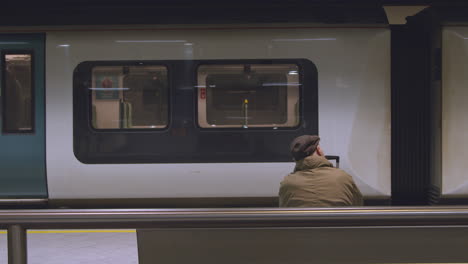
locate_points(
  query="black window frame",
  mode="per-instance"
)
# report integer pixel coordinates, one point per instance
(3, 54)
(183, 141)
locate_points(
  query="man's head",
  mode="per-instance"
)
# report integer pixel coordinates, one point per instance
(304, 146)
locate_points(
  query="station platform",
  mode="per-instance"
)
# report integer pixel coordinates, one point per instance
(104, 246)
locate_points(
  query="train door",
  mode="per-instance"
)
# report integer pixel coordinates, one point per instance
(22, 135)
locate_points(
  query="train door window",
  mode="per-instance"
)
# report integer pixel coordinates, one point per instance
(17, 91)
(248, 95)
(129, 97)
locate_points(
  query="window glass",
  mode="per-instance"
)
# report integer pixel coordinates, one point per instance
(248, 95)
(129, 97)
(17, 93)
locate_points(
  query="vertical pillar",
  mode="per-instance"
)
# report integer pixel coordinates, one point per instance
(415, 107)
(17, 245)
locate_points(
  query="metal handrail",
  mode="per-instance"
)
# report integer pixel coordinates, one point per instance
(17, 221)
(252, 217)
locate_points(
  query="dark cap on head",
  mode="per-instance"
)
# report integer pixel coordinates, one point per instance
(304, 146)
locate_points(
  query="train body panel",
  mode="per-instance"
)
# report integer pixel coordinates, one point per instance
(353, 66)
(453, 183)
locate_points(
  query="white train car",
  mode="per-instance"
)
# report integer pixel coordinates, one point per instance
(189, 115)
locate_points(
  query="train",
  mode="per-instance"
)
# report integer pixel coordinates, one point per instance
(190, 112)
(201, 115)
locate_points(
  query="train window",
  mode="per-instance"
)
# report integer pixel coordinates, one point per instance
(121, 110)
(129, 97)
(248, 95)
(18, 93)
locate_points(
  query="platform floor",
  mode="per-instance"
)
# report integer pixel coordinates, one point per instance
(77, 247)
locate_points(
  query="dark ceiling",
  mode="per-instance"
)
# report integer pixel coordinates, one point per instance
(102, 12)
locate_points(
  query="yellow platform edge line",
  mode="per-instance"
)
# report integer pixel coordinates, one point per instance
(77, 231)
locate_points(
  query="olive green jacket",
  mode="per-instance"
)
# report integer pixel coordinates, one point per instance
(316, 183)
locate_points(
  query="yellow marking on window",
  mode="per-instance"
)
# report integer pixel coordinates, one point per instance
(77, 231)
